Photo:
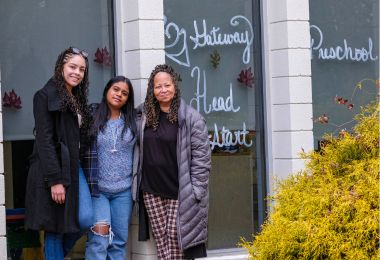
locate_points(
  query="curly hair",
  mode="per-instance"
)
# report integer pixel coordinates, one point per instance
(151, 105)
(77, 104)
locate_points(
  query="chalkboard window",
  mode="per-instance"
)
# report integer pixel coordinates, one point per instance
(33, 33)
(212, 46)
(345, 61)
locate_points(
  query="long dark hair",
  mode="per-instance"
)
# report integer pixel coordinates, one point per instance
(80, 92)
(151, 106)
(103, 112)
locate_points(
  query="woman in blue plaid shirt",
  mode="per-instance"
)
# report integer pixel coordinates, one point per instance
(107, 163)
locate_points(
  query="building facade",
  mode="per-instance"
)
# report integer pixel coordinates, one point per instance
(265, 74)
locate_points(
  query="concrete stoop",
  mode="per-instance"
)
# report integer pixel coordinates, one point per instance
(219, 254)
(227, 254)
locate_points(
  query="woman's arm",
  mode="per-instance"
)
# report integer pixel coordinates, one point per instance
(46, 145)
(200, 158)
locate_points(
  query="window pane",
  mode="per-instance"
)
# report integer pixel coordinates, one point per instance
(210, 45)
(345, 60)
(33, 33)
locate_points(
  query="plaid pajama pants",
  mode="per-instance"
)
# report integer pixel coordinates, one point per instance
(163, 215)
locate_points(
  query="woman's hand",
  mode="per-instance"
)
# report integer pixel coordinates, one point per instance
(58, 193)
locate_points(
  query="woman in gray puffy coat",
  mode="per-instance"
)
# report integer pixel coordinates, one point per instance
(173, 170)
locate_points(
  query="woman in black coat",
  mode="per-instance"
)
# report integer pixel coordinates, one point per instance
(52, 193)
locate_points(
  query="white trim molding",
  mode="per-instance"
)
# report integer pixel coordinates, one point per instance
(3, 240)
(287, 86)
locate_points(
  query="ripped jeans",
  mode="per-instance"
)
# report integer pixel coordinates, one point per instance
(113, 211)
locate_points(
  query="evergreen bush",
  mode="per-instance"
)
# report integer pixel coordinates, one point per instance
(330, 210)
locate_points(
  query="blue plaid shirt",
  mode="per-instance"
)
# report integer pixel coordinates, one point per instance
(89, 160)
(90, 168)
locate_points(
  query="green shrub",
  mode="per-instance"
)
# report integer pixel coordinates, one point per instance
(330, 210)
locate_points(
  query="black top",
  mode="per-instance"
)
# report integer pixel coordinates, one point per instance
(160, 169)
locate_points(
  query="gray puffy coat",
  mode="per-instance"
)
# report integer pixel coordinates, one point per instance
(194, 164)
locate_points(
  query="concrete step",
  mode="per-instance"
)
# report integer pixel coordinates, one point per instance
(227, 254)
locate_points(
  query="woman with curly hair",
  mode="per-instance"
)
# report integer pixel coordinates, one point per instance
(52, 193)
(173, 170)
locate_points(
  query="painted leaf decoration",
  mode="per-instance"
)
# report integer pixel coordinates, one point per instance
(323, 119)
(6, 100)
(12, 100)
(215, 59)
(343, 132)
(102, 56)
(98, 56)
(246, 77)
(178, 77)
(340, 100)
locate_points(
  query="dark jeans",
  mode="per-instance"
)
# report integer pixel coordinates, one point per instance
(57, 245)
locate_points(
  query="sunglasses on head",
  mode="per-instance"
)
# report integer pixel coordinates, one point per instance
(78, 51)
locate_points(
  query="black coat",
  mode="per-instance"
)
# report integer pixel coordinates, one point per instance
(55, 160)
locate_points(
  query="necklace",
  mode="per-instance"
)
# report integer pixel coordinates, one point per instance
(115, 133)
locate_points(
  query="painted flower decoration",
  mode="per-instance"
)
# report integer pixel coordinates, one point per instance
(342, 101)
(343, 133)
(102, 56)
(246, 77)
(323, 119)
(11, 100)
